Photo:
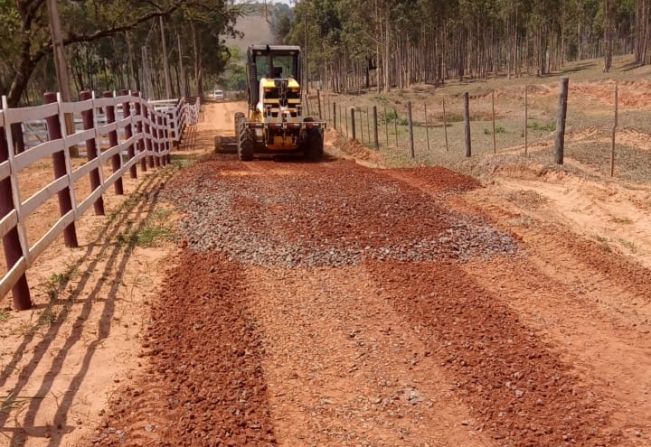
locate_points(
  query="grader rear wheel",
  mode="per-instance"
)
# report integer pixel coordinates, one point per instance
(313, 143)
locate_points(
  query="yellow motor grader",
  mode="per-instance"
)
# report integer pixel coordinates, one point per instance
(276, 123)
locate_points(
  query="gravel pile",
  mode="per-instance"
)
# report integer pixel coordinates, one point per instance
(335, 214)
(206, 385)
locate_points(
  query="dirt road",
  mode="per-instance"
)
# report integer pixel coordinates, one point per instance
(331, 304)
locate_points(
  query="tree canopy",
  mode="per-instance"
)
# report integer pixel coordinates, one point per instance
(392, 43)
(103, 43)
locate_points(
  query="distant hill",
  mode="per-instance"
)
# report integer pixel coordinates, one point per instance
(256, 30)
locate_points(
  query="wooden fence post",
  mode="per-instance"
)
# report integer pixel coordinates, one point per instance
(411, 130)
(18, 138)
(615, 124)
(128, 133)
(327, 108)
(88, 119)
(334, 115)
(386, 126)
(60, 170)
(560, 122)
(116, 162)
(161, 145)
(149, 144)
(166, 123)
(494, 133)
(353, 130)
(318, 98)
(368, 125)
(139, 129)
(445, 127)
(466, 122)
(526, 119)
(427, 129)
(395, 126)
(340, 117)
(375, 132)
(154, 137)
(11, 240)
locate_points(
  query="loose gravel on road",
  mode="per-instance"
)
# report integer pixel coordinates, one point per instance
(331, 214)
(326, 304)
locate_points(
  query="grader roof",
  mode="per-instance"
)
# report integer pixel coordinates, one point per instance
(276, 48)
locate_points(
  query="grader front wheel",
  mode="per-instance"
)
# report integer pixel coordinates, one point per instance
(246, 144)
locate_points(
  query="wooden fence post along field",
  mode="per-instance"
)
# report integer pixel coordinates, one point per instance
(151, 127)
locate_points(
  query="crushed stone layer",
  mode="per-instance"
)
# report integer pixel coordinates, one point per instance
(329, 214)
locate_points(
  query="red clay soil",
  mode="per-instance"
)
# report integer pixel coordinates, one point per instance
(206, 386)
(435, 179)
(213, 355)
(599, 257)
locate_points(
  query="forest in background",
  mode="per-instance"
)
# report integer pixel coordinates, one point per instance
(386, 44)
(116, 44)
(348, 44)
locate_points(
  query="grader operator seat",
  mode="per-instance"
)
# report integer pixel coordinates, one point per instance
(275, 123)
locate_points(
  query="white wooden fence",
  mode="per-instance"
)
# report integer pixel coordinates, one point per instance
(137, 130)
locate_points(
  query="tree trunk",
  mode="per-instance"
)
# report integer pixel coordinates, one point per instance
(608, 34)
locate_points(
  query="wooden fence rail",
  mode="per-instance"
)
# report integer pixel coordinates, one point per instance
(137, 130)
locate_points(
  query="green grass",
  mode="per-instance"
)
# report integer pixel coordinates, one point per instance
(498, 130)
(12, 402)
(390, 116)
(548, 127)
(183, 161)
(155, 231)
(55, 285)
(4, 315)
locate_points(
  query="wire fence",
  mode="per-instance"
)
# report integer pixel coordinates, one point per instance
(608, 125)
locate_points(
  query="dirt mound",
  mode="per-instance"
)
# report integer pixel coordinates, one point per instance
(206, 386)
(436, 179)
(632, 94)
(355, 149)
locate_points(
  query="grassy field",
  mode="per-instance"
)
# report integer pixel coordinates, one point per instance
(589, 123)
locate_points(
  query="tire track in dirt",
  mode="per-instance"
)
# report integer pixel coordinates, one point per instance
(590, 302)
(612, 359)
(517, 386)
(344, 369)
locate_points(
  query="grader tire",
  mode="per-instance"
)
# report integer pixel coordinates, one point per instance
(246, 144)
(313, 144)
(245, 138)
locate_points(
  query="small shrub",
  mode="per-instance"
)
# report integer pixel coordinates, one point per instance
(382, 99)
(390, 116)
(549, 127)
(498, 130)
(156, 229)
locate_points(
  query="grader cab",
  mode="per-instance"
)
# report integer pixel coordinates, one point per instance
(275, 122)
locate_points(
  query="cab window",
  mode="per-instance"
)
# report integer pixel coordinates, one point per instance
(284, 66)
